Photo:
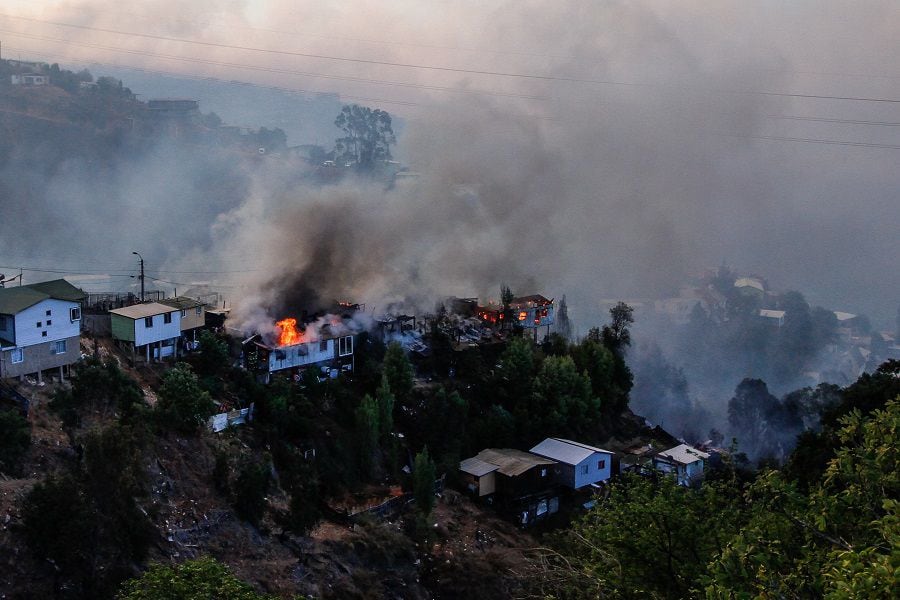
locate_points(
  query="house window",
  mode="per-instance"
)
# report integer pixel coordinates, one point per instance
(49, 312)
(59, 347)
(345, 345)
(199, 310)
(183, 313)
(74, 314)
(17, 355)
(601, 464)
(543, 472)
(148, 322)
(584, 469)
(39, 324)
(43, 334)
(49, 322)
(323, 346)
(167, 318)
(2, 323)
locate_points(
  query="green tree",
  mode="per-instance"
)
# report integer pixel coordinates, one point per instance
(399, 372)
(368, 431)
(182, 402)
(385, 400)
(15, 438)
(647, 539)
(198, 579)
(424, 474)
(98, 388)
(213, 356)
(58, 524)
(250, 490)
(561, 403)
(515, 372)
(368, 136)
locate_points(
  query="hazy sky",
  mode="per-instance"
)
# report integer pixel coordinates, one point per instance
(609, 149)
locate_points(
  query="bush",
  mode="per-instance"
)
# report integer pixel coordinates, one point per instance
(15, 438)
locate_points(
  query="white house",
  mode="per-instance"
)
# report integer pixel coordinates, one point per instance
(30, 79)
(40, 328)
(685, 462)
(774, 317)
(151, 329)
(579, 465)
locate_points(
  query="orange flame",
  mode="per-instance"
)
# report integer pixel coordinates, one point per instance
(289, 334)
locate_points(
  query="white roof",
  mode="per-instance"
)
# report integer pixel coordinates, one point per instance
(749, 282)
(684, 454)
(772, 314)
(566, 451)
(139, 311)
(844, 316)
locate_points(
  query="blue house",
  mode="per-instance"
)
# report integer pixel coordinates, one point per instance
(579, 465)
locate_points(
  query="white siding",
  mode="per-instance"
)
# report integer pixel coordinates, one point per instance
(594, 473)
(61, 325)
(160, 331)
(300, 355)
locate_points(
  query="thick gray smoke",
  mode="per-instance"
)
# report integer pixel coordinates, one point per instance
(640, 153)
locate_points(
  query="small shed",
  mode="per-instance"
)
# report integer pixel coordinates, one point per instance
(683, 461)
(479, 476)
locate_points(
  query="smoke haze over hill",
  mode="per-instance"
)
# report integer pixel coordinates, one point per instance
(614, 150)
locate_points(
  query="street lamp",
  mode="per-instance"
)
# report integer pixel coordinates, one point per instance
(142, 274)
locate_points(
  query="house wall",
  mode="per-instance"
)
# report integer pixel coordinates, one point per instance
(300, 355)
(487, 484)
(61, 325)
(594, 472)
(191, 320)
(159, 331)
(694, 470)
(122, 327)
(39, 357)
(528, 482)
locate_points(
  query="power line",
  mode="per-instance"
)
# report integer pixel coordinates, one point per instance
(275, 70)
(433, 67)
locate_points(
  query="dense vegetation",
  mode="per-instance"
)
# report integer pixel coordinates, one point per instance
(824, 526)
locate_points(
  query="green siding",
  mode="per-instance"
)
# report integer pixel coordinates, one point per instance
(122, 328)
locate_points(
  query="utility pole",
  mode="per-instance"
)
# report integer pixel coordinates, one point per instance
(142, 274)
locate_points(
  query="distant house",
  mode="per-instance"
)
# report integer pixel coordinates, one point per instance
(685, 462)
(579, 465)
(521, 481)
(30, 79)
(751, 286)
(40, 328)
(150, 329)
(193, 316)
(774, 317)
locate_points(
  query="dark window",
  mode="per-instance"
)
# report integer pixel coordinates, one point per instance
(323, 346)
(601, 464)
(148, 321)
(38, 323)
(584, 469)
(43, 334)
(48, 312)
(75, 314)
(345, 345)
(49, 322)
(167, 318)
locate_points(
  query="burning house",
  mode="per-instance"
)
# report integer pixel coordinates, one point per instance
(528, 312)
(326, 343)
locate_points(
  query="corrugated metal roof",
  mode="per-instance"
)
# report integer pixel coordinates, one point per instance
(16, 299)
(181, 302)
(140, 311)
(59, 289)
(476, 467)
(566, 451)
(512, 462)
(684, 454)
(772, 314)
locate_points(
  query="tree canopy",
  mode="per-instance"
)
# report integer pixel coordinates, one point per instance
(368, 136)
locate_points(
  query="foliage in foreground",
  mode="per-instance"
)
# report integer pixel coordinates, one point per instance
(766, 539)
(199, 579)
